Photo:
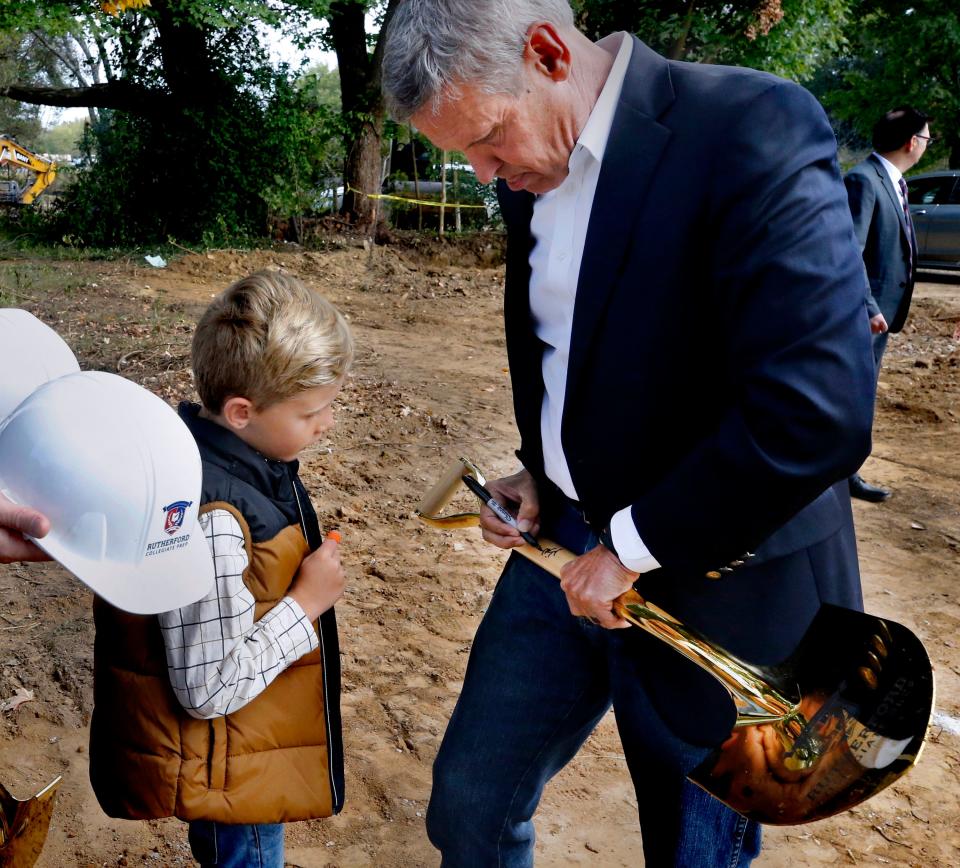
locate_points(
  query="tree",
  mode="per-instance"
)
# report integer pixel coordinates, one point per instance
(902, 53)
(195, 126)
(787, 37)
(177, 57)
(363, 105)
(21, 122)
(61, 139)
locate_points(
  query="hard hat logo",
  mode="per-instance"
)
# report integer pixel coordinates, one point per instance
(176, 512)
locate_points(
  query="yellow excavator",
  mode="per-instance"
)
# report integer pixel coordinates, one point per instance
(42, 172)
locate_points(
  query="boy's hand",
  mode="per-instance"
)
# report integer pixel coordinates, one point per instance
(320, 581)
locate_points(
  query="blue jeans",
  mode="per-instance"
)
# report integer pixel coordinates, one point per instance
(538, 681)
(238, 845)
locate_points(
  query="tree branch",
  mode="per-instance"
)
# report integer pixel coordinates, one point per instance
(70, 62)
(112, 95)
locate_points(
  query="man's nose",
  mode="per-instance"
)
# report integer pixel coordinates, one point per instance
(485, 168)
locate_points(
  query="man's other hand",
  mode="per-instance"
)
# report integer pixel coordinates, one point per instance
(592, 582)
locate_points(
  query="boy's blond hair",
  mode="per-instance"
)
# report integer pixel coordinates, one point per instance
(267, 338)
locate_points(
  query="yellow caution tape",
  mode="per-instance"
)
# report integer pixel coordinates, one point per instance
(430, 202)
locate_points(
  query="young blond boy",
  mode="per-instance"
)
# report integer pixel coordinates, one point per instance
(225, 713)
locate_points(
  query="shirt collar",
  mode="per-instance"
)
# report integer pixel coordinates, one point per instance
(594, 136)
(894, 173)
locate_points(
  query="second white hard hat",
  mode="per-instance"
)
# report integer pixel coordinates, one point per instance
(118, 474)
(31, 354)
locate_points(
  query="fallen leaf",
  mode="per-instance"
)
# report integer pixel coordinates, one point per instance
(14, 702)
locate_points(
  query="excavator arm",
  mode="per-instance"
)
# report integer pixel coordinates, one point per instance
(44, 171)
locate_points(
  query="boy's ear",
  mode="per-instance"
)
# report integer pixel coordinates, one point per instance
(237, 412)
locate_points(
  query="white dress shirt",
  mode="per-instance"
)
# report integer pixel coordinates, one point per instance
(895, 176)
(559, 227)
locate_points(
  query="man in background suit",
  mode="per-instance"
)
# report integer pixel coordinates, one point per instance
(881, 218)
(690, 359)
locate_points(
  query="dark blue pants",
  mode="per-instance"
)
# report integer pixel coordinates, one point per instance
(537, 683)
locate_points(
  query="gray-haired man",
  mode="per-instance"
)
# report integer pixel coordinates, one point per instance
(690, 358)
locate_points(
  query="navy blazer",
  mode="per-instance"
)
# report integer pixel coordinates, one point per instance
(720, 375)
(889, 251)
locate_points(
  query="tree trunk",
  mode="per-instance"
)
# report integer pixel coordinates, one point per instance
(361, 176)
(416, 180)
(443, 192)
(362, 105)
(678, 50)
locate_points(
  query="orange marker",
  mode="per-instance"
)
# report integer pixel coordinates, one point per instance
(334, 535)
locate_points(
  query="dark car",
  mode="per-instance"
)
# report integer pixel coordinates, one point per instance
(935, 206)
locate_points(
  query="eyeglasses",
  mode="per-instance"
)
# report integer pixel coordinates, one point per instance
(930, 139)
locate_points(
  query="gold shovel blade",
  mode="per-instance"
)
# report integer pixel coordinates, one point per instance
(867, 693)
(24, 825)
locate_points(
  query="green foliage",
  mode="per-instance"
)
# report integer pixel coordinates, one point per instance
(224, 139)
(203, 176)
(17, 120)
(902, 53)
(212, 137)
(306, 149)
(61, 139)
(321, 87)
(786, 37)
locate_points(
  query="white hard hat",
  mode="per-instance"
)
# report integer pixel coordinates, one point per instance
(31, 354)
(118, 474)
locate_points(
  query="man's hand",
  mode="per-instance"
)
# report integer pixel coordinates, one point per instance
(592, 582)
(15, 521)
(518, 493)
(878, 325)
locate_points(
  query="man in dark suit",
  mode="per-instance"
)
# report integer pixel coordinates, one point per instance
(689, 350)
(881, 218)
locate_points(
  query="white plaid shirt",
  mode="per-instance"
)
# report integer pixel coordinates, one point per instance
(218, 657)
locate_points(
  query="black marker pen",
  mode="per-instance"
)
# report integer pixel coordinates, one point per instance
(498, 510)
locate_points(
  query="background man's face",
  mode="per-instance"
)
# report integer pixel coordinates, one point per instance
(922, 139)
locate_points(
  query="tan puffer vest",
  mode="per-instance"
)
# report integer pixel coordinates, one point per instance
(266, 763)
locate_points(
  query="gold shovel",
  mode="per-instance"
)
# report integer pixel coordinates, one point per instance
(24, 825)
(841, 719)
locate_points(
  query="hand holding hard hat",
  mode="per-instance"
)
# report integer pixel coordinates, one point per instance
(31, 354)
(111, 466)
(15, 523)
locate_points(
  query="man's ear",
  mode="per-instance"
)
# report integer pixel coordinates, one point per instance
(237, 412)
(547, 51)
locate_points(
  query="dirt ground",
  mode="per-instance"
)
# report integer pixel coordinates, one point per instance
(431, 383)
